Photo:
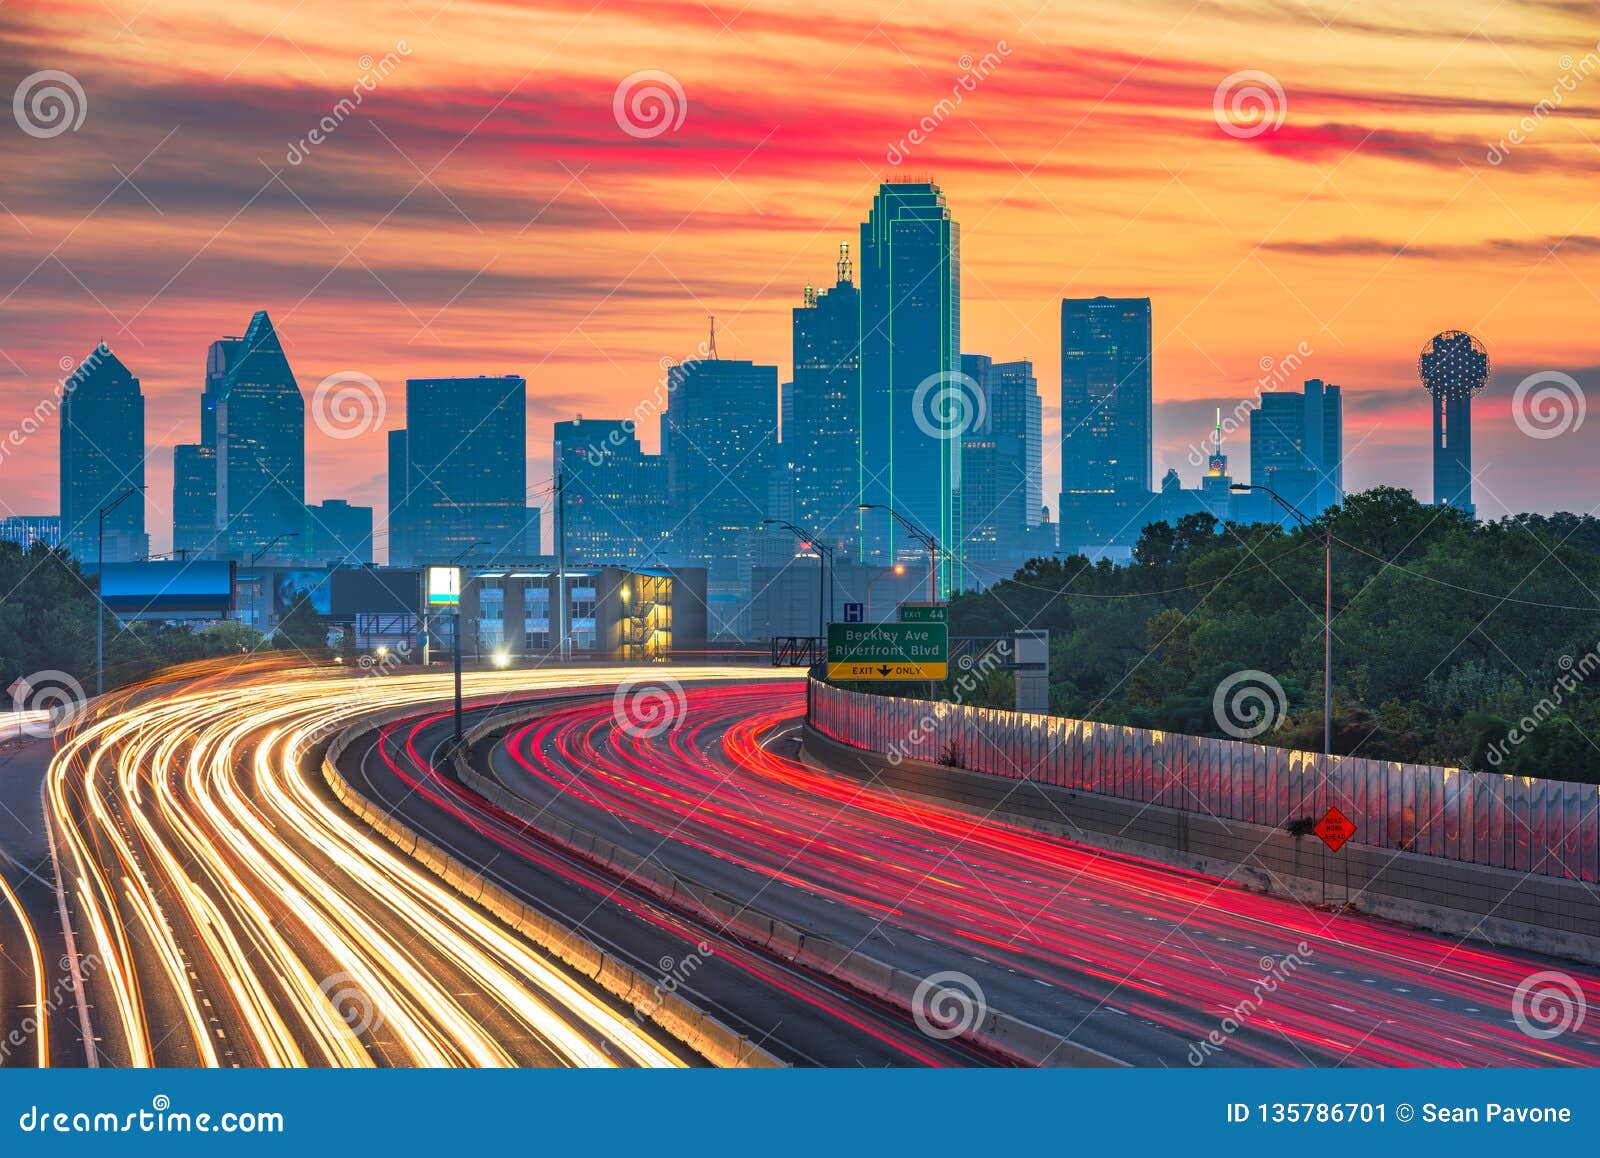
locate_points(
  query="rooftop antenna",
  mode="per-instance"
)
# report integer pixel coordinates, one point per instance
(844, 263)
(711, 349)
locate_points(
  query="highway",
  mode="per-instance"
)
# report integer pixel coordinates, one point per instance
(227, 912)
(803, 1018)
(1127, 956)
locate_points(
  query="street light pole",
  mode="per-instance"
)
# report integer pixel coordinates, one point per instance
(255, 557)
(100, 588)
(824, 570)
(456, 625)
(922, 537)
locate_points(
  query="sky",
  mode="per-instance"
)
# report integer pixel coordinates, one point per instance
(1305, 188)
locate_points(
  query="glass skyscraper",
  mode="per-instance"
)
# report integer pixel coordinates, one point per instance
(102, 455)
(719, 435)
(821, 434)
(615, 495)
(1296, 447)
(195, 517)
(261, 451)
(466, 472)
(1001, 488)
(1106, 423)
(909, 458)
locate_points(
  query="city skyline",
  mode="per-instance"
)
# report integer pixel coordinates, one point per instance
(1371, 223)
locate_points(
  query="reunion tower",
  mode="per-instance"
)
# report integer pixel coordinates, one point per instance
(1453, 367)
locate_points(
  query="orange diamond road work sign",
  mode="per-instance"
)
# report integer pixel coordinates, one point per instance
(1334, 828)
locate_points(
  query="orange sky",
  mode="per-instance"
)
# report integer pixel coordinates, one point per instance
(484, 210)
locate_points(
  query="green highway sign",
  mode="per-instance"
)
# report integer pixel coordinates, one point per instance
(888, 651)
(924, 613)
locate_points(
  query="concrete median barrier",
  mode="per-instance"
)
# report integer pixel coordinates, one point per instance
(998, 1032)
(706, 1035)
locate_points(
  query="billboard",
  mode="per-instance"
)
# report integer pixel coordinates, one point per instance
(444, 586)
(375, 591)
(179, 589)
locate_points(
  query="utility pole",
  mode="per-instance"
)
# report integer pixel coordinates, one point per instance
(100, 588)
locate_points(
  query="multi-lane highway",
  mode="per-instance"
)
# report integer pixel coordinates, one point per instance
(225, 911)
(1130, 957)
(223, 908)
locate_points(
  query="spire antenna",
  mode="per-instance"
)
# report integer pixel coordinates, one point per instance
(711, 348)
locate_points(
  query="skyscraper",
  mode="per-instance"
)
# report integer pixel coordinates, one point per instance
(1106, 422)
(466, 467)
(615, 495)
(1453, 366)
(261, 450)
(910, 454)
(1001, 484)
(1296, 440)
(399, 551)
(195, 517)
(194, 501)
(719, 433)
(102, 455)
(822, 438)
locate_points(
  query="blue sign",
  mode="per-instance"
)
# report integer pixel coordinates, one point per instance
(855, 612)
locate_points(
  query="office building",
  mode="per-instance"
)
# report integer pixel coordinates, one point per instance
(1106, 424)
(102, 456)
(397, 551)
(195, 517)
(261, 451)
(465, 468)
(910, 456)
(26, 530)
(822, 433)
(194, 501)
(338, 533)
(614, 495)
(1001, 469)
(719, 432)
(1296, 441)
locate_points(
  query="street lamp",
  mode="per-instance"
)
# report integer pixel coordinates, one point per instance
(897, 569)
(100, 587)
(456, 562)
(1327, 607)
(920, 536)
(824, 569)
(255, 557)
